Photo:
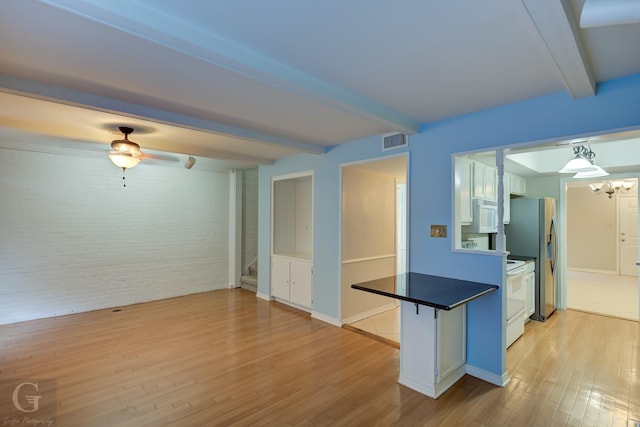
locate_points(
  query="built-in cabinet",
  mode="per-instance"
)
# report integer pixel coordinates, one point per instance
(432, 350)
(484, 182)
(292, 239)
(291, 280)
(530, 285)
(463, 180)
(476, 180)
(518, 185)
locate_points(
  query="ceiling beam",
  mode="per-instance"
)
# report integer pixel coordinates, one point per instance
(142, 20)
(557, 27)
(60, 95)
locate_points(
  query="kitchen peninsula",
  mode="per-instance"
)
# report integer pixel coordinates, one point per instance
(433, 331)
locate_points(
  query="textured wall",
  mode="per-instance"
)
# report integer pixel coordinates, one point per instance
(249, 217)
(72, 239)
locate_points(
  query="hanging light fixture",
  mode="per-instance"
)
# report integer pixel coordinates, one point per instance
(611, 187)
(582, 161)
(124, 153)
(599, 172)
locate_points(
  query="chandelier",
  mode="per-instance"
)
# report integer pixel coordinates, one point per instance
(611, 187)
(582, 164)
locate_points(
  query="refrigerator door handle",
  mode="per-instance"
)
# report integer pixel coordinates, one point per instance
(551, 245)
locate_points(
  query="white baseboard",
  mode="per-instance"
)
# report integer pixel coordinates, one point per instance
(450, 380)
(263, 296)
(369, 313)
(328, 319)
(591, 270)
(424, 388)
(490, 377)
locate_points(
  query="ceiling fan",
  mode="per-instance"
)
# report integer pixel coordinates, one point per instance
(126, 154)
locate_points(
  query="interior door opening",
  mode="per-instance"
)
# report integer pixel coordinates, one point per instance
(602, 249)
(374, 242)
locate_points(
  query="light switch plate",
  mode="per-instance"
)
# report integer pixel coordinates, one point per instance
(438, 230)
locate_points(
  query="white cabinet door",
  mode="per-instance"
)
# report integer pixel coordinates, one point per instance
(478, 180)
(518, 185)
(530, 281)
(484, 181)
(463, 182)
(300, 279)
(451, 350)
(280, 278)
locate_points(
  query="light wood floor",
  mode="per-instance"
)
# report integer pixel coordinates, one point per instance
(228, 358)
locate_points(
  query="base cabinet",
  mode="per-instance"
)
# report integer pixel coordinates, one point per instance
(291, 280)
(432, 348)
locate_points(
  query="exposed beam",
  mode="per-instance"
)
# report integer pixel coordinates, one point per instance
(598, 13)
(557, 27)
(142, 20)
(37, 90)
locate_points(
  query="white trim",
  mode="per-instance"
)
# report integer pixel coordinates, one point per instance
(370, 258)
(290, 304)
(235, 229)
(449, 380)
(263, 296)
(327, 319)
(392, 305)
(292, 175)
(421, 387)
(490, 377)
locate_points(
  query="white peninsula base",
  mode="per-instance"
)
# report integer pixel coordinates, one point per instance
(432, 348)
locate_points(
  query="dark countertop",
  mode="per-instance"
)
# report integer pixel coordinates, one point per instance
(521, 258)
(434, 291)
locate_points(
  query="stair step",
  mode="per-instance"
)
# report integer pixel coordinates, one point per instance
(249, 282)
(253, 269)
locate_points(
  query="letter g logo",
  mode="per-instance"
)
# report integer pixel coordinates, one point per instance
(32, 400)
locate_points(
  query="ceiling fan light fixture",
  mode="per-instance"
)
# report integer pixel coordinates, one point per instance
(124, 153)
(123, 160)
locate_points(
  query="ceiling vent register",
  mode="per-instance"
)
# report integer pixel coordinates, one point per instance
(394, 140)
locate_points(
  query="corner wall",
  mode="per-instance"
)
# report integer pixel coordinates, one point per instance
(72, 239)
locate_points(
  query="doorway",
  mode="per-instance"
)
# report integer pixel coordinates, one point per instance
(374, 241)
(602, 249)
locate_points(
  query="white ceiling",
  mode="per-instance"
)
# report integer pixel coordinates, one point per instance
(250, 81)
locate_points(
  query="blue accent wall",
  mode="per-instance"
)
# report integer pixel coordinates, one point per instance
(616, 107)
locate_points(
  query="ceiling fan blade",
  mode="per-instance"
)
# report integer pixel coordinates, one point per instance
(161, 157)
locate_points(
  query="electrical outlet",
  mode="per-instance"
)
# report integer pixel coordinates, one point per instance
(438, 230)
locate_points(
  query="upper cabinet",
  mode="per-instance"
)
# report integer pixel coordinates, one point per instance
(474, 179)
(484, 182)
(463, 186)
(518, 185)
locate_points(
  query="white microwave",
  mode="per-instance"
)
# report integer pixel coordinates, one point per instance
(485, 217)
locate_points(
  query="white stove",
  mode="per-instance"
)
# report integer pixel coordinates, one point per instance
(513, 264)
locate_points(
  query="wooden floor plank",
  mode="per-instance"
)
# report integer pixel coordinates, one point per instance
(228, 358)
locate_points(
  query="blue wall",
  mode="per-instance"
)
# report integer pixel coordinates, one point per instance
(615, 107)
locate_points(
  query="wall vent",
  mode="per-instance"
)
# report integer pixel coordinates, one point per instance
(394, 140)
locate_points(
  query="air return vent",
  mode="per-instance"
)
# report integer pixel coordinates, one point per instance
(394, 140)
